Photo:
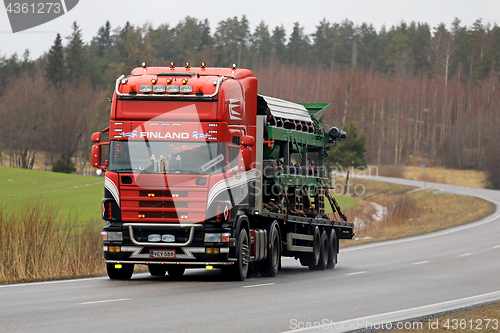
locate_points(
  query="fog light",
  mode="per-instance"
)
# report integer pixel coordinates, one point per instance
(114, 249)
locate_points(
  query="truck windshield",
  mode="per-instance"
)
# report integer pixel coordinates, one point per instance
(167, 157)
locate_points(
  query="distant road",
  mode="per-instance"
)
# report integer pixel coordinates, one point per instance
(372, 284)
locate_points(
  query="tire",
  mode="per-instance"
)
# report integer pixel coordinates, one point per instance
(157, 270)
(271, 264)
(176, 271)
(239, 270)
(124, 273)
(332, 249)
(312, 259)
(323, 253)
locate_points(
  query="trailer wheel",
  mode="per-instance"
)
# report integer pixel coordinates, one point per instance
(271, 264)
(176, 271)
(239, 270)
(323, 253)
(332, 250)
(312, 258)
(157, 270)
(123, 273)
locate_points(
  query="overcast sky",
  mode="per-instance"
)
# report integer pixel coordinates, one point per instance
(92, 14)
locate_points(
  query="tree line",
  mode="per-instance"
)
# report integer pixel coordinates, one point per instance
(410, 88)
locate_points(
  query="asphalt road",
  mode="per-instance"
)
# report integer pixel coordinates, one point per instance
(372, 285)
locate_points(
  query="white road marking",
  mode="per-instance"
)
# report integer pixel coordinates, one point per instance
(339, 323)
(465, 254)
(363, 272)
(108, 301)
(422, 262)
(496, 247)
(258, 285)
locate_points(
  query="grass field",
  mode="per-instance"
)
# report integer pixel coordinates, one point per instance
(434, 174)
(74, 195)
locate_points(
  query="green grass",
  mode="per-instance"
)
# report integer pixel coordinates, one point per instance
(344, 202)
(75, 195)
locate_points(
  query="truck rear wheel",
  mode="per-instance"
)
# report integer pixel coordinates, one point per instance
(157, 270)
(271, 264)
(312, 258)
(323, 253)
(332, 249)
(123, 273)
(239, 270)
(176, 271)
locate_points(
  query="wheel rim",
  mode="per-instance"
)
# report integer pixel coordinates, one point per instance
(275, 253)
(244, 252)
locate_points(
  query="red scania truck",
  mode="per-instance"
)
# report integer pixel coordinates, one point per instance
(203, 172)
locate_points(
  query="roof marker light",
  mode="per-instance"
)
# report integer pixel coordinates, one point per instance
(172, 64)
(144, 65)
(187, 64)
(234, 66)
(202, 65)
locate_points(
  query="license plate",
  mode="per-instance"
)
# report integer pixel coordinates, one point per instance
(162, 254)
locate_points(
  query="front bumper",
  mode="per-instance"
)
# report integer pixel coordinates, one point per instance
(190, 247)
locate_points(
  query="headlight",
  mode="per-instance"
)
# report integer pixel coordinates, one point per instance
(115, 236)
(154, 238)
(186, 89)
(145, 88)
(213, 238)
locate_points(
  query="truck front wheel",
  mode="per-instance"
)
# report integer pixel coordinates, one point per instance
(120, 271)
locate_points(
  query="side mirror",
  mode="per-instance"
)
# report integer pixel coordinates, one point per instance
(248, 140)
(245, 162)
(96, 137)
(95, 158)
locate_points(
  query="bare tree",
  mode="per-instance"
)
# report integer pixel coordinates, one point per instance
(24, 110)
